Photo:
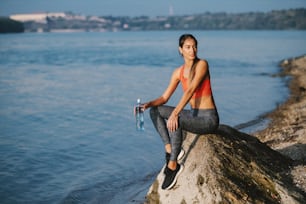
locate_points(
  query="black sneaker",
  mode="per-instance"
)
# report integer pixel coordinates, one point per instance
(171, 176)
(167, 157)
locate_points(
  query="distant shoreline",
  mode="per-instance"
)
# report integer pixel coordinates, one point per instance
(290, 19)
(286, 132)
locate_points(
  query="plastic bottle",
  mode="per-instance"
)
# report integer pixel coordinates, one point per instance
(139, 116)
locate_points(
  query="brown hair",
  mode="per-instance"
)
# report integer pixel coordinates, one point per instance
(182, 40)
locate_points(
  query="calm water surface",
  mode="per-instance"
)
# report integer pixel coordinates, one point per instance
(67, 132)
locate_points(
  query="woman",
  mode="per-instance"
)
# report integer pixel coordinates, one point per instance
(170, 121)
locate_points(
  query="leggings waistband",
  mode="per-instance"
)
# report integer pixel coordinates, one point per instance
(203, 112)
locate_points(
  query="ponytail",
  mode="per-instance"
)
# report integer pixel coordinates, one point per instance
(192, 70)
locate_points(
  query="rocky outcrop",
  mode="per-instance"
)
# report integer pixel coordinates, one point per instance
(229, 167)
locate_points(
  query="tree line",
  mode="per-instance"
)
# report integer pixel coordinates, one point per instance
(10, 26)
(293, 19)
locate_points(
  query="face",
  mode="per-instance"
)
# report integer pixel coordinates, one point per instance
(189, 49)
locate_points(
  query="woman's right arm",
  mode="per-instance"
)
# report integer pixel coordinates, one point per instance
(175, 79)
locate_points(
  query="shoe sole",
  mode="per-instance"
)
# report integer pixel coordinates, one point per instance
(175, 178)
(181, 154)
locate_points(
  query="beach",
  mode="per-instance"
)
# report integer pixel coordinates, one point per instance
(66, 107)
(286, 132)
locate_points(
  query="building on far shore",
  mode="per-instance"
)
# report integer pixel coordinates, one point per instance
(37, 17)
(47, 21)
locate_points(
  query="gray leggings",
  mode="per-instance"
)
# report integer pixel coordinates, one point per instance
(198, 121)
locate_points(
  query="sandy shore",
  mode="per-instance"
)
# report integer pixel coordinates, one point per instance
(287, 131)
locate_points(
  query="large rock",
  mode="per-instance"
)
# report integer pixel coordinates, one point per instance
(228, 167)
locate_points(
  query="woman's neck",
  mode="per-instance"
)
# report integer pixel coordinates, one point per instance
(189, 63)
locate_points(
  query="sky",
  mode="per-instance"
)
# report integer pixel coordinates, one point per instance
(144, 7)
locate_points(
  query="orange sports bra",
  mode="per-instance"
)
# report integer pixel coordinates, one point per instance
(204, 88)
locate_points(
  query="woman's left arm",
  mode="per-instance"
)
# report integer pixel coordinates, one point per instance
(200, 73)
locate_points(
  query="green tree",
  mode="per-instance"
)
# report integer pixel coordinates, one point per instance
(10, 26)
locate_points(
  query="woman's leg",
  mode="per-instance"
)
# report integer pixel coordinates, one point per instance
(159, 114)
(200, 121)
(195, 121)
(187, 121)
(171, 140)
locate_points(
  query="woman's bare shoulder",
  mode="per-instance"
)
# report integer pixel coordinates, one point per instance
(203, 62)
(202, 65)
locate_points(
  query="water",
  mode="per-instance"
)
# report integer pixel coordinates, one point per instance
(67, 129)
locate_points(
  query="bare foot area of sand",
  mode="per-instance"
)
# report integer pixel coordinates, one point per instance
(287, 131)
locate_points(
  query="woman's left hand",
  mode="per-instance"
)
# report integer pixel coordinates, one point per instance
(172, 123)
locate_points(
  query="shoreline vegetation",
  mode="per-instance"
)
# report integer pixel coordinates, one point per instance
(10, 26)
(290, 19)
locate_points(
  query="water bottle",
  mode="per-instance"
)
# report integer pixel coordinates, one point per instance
(139, 116)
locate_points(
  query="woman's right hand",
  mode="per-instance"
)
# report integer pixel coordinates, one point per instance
(172, 123)
(145, 106)
(142, 106)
